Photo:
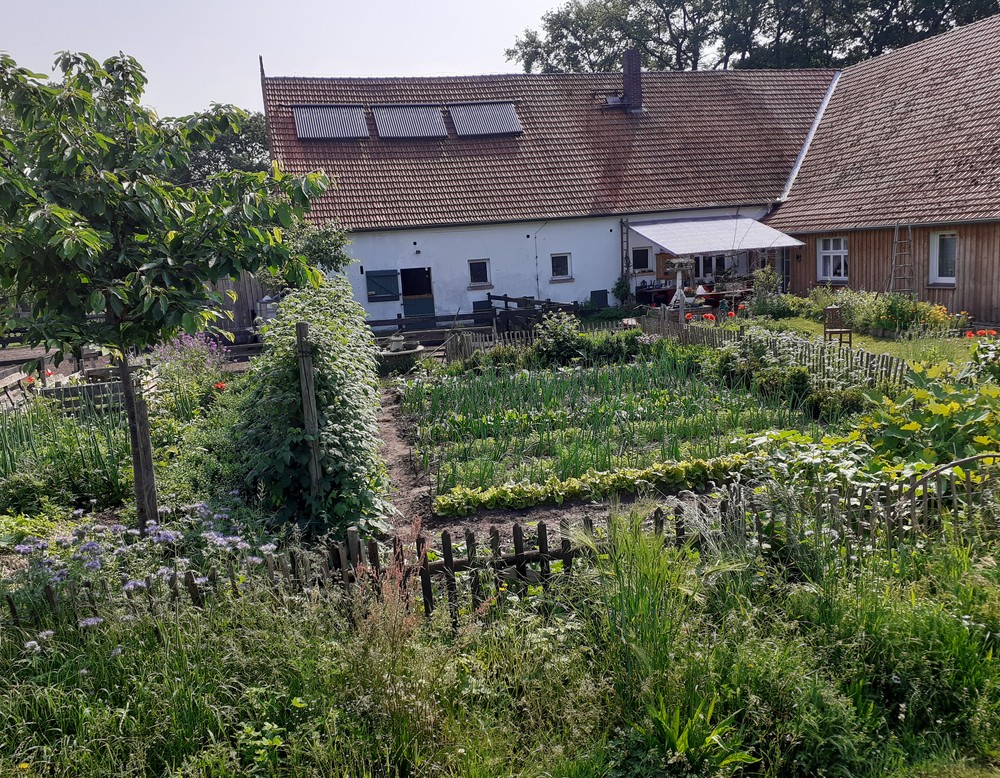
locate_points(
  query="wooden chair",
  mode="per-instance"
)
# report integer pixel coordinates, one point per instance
(833, 326)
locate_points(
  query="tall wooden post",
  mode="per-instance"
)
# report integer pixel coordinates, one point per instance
(142, 447)
(309, 413)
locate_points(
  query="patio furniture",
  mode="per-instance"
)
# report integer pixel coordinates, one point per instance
(834, 327)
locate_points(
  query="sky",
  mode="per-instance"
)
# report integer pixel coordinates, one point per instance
(197, 52)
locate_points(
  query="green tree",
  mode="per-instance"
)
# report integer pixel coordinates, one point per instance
(591, 35)
(243, 147)
(104, 248)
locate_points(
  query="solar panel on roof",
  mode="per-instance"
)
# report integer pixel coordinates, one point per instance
(339, 122)
(409, 121)
(485, 119)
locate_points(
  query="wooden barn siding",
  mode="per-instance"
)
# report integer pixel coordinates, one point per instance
(248, 292)
(977, 285)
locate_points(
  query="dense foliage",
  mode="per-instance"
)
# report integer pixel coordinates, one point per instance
(591, 35)
(271, 432)
(782, 661)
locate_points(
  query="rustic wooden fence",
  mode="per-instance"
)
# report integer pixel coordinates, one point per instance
(825, 361)
(463, 344)
(465, 572)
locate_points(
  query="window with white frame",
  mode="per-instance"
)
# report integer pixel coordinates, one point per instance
(709, 265)
(561, 267)
(831, 259)
(944, 257)
(640, 260)
(479, 272)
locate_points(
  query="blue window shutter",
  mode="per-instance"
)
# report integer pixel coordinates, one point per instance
(383, 285)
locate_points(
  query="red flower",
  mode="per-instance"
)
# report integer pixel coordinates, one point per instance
(741, 307)
(30, 379)
(731, 314)
(970, 334)
(688, 316)
(221, 386)
(709, 317)
(991, 333)
(980, 333)
(50, 372)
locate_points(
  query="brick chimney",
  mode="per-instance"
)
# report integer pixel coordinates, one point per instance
(633, 80)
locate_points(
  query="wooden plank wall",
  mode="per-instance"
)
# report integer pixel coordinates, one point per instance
(248, 292)
(977, 285)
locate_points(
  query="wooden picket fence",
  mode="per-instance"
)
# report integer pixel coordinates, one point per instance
(463, 344)
(825, 361)
(465, 572)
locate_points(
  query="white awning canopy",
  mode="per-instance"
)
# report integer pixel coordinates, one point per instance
(712, 235)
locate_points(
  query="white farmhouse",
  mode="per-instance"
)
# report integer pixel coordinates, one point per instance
(549, 186)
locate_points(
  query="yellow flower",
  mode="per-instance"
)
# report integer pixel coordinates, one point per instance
(24, 766)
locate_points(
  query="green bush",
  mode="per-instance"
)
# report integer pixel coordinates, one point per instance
(271, 429)
(557, 339)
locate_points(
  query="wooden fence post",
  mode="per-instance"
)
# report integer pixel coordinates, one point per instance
(309, 412)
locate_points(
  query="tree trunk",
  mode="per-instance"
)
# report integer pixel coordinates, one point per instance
(142, 448)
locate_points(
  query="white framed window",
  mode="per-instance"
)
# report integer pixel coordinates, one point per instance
(944, 257)
(562, 267)
(640, 260)
(831, 259)
(709, 265)
(479, 272)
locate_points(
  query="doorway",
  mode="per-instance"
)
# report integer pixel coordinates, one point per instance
(417, 292)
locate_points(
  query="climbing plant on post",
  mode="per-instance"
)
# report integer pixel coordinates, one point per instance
(98, 242)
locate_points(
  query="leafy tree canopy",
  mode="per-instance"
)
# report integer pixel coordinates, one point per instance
(591, 35)
(95, 235)
(242, 147)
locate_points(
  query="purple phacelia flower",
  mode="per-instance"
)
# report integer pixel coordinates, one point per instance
(93, 621)
(131, 586)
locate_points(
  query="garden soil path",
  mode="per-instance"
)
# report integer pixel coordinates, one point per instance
(411, 494)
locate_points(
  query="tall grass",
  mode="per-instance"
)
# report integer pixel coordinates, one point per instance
(647, 660)
(68, 456)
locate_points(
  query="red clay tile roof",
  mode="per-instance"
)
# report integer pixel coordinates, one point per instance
(706, 138)
(913, 136)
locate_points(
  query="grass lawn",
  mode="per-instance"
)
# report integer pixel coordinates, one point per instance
(933, 349)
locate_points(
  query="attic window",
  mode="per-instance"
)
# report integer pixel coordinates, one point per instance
(409, 121)
(335, 122)
(473, 119)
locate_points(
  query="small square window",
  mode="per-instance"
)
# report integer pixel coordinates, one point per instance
(479, 272)
(640, 260)
(561, 266)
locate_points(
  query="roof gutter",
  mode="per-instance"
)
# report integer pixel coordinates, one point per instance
(809, 136)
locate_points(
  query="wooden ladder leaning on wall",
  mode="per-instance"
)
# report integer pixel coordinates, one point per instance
(901, 270)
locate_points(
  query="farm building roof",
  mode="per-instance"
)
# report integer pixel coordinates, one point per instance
(564, 150)
(911, 136)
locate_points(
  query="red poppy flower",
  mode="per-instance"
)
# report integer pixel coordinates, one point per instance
(991, 333)
(221, 386)
(731, 314)
(970, 334)
(688, 316)
(50, 372)
(709, 317)
(741, 307)
(30, 379)
(980, 333)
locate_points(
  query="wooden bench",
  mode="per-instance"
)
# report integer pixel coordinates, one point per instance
(834, 327)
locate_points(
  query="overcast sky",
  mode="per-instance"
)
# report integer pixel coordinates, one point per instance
(199, 51)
